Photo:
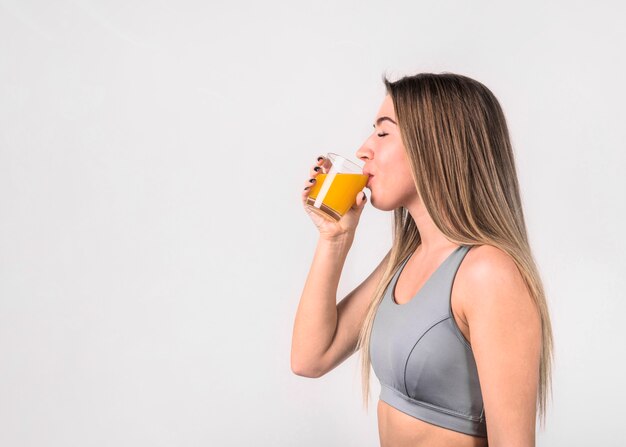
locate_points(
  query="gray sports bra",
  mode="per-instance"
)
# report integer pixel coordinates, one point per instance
(425, 366)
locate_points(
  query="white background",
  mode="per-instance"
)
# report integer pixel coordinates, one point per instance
(153, 247)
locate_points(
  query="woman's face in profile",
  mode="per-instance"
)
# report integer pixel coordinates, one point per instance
(391, 184)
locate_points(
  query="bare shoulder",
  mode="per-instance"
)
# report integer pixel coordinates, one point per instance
(483, 262)
(488, 277)
(505, 335)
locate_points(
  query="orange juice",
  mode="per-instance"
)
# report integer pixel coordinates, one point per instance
(340, 196)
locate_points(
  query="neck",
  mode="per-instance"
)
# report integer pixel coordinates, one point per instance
(432, 239)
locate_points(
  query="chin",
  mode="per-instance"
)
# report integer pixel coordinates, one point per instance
(381, 205)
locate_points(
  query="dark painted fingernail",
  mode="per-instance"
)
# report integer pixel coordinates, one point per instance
(320, 158)
(363, 196)
(316, 168)
(312, 180)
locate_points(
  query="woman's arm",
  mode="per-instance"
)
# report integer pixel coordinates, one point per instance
(505, 332)
(325, 333)
(316, 317)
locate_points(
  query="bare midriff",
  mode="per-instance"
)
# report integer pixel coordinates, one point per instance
(397, 429)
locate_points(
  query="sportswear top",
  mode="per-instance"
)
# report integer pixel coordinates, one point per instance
(424, 363)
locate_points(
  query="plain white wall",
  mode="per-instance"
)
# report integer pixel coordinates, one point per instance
(152, 243)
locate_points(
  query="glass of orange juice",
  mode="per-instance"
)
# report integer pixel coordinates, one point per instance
(335, 192)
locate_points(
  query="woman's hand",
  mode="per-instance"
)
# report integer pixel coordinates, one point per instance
(329, 229)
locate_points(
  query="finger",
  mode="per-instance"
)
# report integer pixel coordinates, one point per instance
(360, 200)
(305, 194)
(324, 163)
(315, 170)
(310, 183)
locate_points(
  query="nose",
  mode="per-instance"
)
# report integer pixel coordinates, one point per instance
(364, 152)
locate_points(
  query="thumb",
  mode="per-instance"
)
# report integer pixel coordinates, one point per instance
(360, 200)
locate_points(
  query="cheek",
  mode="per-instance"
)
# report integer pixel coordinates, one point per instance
(403, 180)
(402, 168)
(397, 181)
(394, 169)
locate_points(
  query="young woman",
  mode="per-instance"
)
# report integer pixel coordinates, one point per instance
(453, 320)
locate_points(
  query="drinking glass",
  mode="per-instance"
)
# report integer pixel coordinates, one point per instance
(334, 192)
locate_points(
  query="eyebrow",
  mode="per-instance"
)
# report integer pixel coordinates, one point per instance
(383, 118)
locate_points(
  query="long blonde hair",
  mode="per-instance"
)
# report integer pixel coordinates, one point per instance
(462, 164)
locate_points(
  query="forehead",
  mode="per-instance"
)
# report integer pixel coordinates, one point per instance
(386, 108)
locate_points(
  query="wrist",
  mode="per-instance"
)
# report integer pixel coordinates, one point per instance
(342, 242)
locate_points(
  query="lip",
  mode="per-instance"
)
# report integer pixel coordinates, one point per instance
(369, 181)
